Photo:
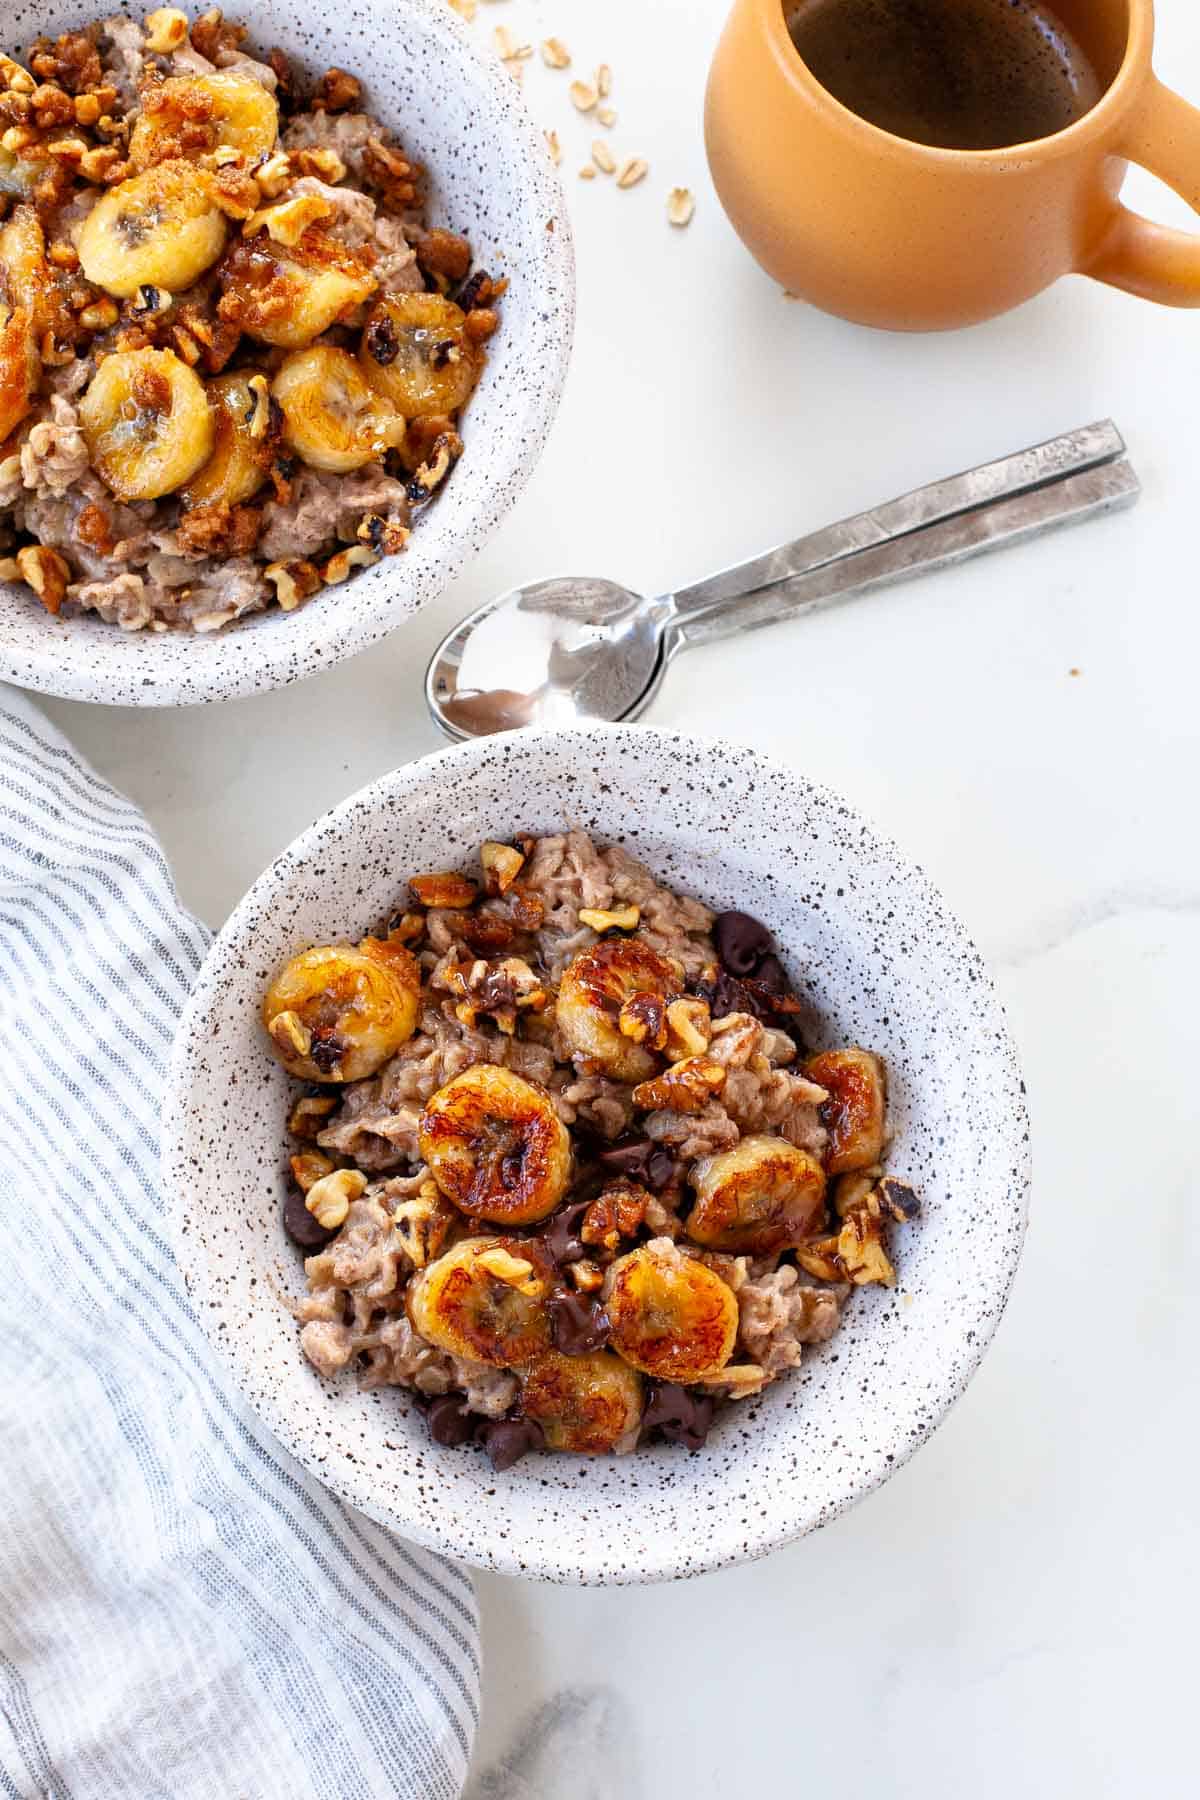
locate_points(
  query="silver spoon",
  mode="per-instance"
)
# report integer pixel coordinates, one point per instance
(576, 648)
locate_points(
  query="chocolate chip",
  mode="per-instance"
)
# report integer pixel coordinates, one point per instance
(677, 1414)
(576, 1326)
(451, 1422)
(899, 1199)
(471, 289)
(641, 1160)
(439, 356)
(741, 942)
(383, 346)
(561, 1236)
(771, 975)
(326, 1052)
(300, 1224)
(508, 1440)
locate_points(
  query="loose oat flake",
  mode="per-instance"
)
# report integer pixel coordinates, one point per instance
(588, 172)
(635, 169)
(603, 157)
(583, 96)
(681, 204)
(554, 147)
(466, 9)
(607, 116)
(555, 54)
(507, 48)
(604, 81)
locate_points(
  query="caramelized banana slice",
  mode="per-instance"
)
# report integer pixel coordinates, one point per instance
(670, 1316)
(594, 989)
(588, 1404)
(757, 1198)
(337, 1013)
(159, 229)
(332, 416)
(289, 294)
(856, 1112)
(415, 351)
(20, 366)
(496, 1146)
(206, 111)
(241, 452)
(485, 1299)
(147, 422)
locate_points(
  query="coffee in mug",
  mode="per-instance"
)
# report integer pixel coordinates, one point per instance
(961, 74)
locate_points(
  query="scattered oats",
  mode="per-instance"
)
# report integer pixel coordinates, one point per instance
(507, 48)
(681, 204)
(607, 116)
(554, 147)
(588, 172)
(583, 96)
(466, 9)
(633, 171)
(603, 157)
(604, 81)
(555, 54)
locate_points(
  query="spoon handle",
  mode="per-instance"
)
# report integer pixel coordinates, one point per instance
(988, 527)
(1085, 448)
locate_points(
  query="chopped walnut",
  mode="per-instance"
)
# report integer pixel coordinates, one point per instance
(293, 582)
(444, 253)
(46, 572)
(308, 1167)
(328, 1199)
(211, 34)
(689, 1028)
(422, 1223)
(501, 866)
(287, 221)
(343, 563)
(686, 1087)
(166, 30)
(337, 92)
(309, 1115)
(390, 172)
(617, 1212)
(624, 918)
(514, 1271)
(218, 530)
(585, 1275)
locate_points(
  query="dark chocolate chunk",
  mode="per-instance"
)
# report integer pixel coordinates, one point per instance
(899, 1198)
(641, 1160)
(450, 1421)
(561, 1235)
(576, 1326)
(742, 942)
(508, 1440)
(326, 1052)
(300, 1224)
(677, 1414)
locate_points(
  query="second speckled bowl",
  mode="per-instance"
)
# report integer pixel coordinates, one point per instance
(866, 939)
(489, 176)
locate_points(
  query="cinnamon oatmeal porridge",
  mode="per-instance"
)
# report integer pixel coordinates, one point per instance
(564, 1167)
(234, 354)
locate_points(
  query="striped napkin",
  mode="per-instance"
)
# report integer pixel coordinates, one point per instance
(184, 1614)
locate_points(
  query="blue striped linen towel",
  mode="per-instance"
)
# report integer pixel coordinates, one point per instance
(183, 1612)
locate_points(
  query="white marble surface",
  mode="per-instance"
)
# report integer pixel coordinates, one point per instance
(1016, 1610)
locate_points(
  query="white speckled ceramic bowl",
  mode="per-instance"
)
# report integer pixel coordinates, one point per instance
(490, 177)
(865, 938)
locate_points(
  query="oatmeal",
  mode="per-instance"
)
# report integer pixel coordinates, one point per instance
(563, 1165)
(234, 355)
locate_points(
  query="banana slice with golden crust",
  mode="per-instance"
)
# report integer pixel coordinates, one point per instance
(496, 1146)
(485, 1299)
(415, 351)
(757, 1198)
(289, 294)
(593, 991)
(147, 422)
(855, 1114)
(670, 1316)
(188, 116)
(159, 229)
(337, 1013)
(589, 1404)
(243, 443)
(20, 366)
(332, 416)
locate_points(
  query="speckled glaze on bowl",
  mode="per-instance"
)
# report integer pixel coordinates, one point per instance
(489, 177)
(868, 942)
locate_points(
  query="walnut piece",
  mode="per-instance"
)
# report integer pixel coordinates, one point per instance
(513, 1271)
(446, 888)
(643, 1017)
(501, 866)
(686, 1087)
(624, 918)
(328, 1200)
(309, 1167)
(46, 572)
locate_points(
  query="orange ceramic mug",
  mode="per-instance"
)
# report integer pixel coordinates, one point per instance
(888, 232)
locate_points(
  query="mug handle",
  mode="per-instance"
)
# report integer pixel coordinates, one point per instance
(1156, 261)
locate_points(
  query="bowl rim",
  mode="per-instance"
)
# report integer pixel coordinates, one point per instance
(526, 1560)
(263, 655)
